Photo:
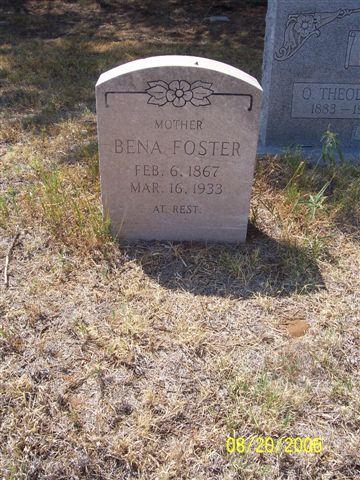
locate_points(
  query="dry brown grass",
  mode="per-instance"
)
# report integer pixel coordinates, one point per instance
(137, 362)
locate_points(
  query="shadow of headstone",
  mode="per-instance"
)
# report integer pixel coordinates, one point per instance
(261, 266)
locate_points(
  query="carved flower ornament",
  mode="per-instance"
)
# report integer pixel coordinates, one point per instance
(179, 92)
(306, 24)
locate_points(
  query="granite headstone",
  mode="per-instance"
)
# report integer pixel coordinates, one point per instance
(177, 142)
(311, 74)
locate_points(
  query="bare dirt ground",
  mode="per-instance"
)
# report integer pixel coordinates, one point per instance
(137, 362)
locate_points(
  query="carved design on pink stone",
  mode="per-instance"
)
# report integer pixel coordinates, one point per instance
(179, 92)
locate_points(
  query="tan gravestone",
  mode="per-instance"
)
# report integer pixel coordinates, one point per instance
(177, 143)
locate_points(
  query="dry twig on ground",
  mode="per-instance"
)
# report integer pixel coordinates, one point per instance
(8, 258)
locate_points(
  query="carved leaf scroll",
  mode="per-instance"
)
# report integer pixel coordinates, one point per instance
(302, 26)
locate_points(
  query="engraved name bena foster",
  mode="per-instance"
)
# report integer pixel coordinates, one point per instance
(187, 147)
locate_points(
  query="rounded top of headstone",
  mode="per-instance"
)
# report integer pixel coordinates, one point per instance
(177, 61)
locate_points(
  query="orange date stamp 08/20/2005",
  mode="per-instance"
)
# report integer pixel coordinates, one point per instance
(269, 445)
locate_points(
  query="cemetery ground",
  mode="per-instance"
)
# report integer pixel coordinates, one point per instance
(137, 362)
